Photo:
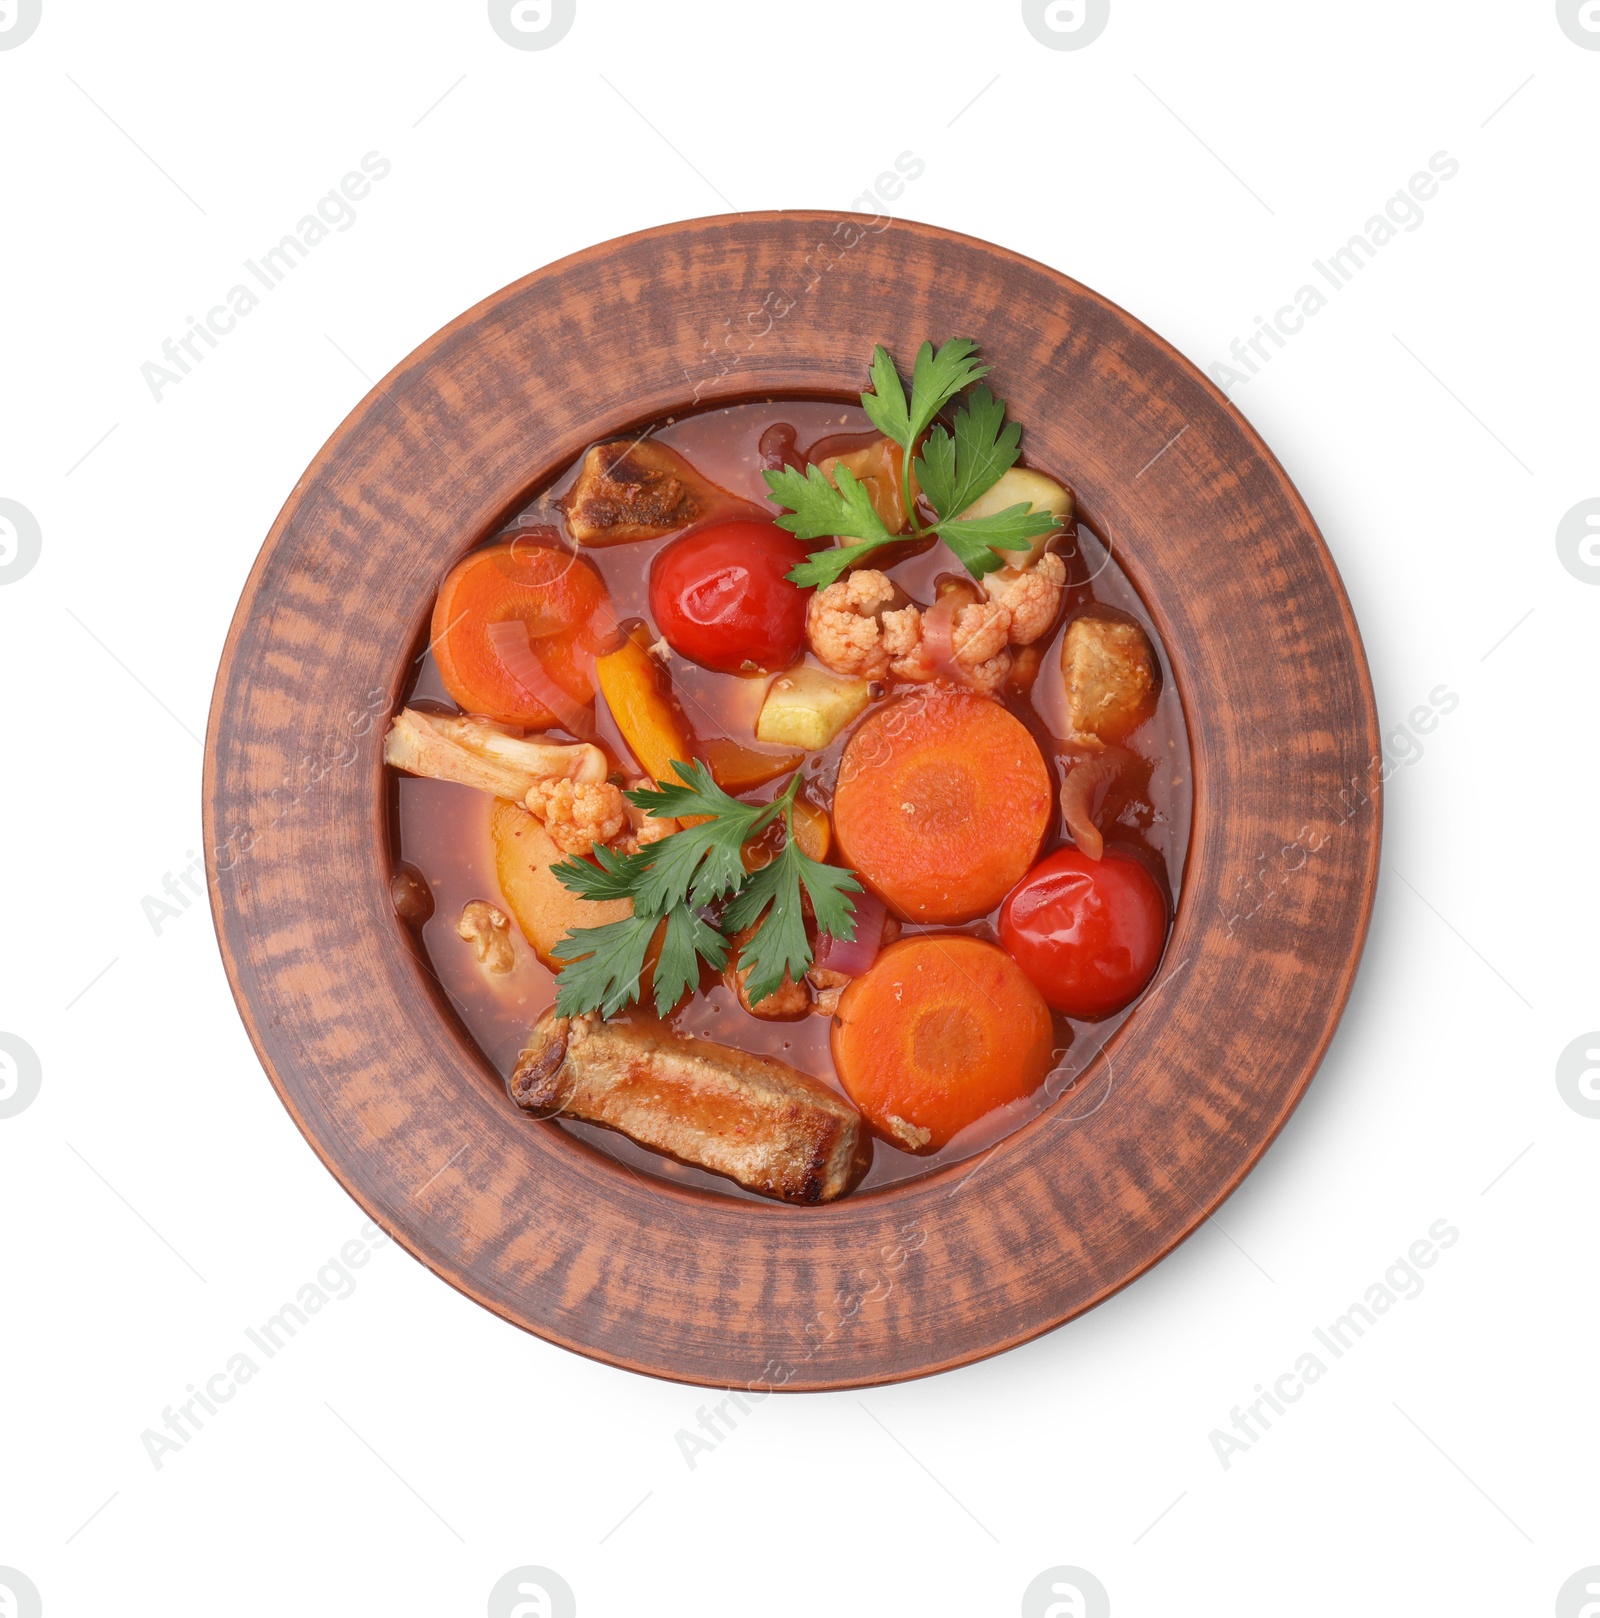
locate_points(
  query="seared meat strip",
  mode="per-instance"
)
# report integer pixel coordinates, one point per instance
(775, 1130)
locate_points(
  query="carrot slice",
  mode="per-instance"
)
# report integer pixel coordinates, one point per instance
(737, 768)
(530, 583)
(942, 801)
(940, 1030)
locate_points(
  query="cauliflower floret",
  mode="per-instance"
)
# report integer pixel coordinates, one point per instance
(1032, 596)
(578, 815)
(981, 633)
(643, 827)
(902, 634)
(842, 624)
(978, 641)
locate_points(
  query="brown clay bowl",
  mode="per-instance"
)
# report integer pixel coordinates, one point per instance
(934, 1272)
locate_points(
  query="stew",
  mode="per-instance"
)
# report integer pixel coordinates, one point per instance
(783, 824)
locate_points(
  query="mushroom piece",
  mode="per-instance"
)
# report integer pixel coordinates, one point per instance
(481, 753)
(1112, 677)
(488, 930)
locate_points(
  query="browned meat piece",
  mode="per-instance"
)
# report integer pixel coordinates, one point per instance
(829, 986)
(775, 1130)
(1112, 677)
(637, 490)
(788, 1001)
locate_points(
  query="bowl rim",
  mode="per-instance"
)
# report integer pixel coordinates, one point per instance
(759, 1217)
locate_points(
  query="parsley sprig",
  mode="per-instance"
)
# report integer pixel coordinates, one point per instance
(676, 879)
(952, 470)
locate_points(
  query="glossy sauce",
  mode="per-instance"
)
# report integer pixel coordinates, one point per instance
(443, 828)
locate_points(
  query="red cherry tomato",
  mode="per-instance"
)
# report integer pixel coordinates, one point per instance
(1088, 932)
(721, 599)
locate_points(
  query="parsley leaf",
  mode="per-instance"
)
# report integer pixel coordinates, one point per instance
(701, 863)
(603, 965)
(936, 379)
(823, 567)
(817, 509)
(779, 944)
(955, 471)
(687, 938)
(975, 539)
(673, 879)
(613, 880)
(886, 404)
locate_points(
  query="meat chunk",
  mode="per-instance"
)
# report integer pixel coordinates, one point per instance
(1112, 677)
(788, 1001)
(637, 490)
(773, 1129)
(844, 624)
(578, 815)
(481, 753)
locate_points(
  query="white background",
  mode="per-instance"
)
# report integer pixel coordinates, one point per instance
(1439, 418)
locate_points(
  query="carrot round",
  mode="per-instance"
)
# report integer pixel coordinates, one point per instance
(940, 1030)
(941, 803)
(515, 630)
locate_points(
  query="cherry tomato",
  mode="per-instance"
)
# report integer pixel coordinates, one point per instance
(721, 599)
(1088, 932)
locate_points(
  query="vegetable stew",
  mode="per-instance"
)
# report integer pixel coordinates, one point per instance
(783, 826)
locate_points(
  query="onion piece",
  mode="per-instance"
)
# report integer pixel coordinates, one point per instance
(1083, 790)
(855, 957)
(512, 644)
(938, 634)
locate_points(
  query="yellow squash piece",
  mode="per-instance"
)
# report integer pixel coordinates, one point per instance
(808, 708)
(544, 910)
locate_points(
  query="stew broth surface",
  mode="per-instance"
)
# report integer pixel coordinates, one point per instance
(443, 828)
